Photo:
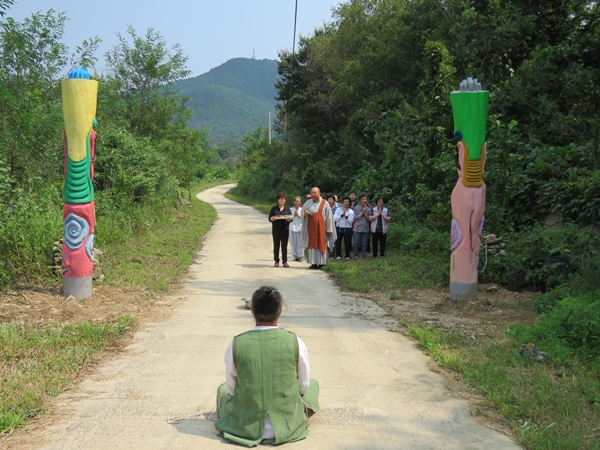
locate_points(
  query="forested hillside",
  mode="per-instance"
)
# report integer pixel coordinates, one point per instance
(233, 98)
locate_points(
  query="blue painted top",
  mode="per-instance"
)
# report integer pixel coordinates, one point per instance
(79, 72)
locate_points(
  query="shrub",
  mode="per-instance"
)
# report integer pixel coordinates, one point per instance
(132, 167)
(29, 226)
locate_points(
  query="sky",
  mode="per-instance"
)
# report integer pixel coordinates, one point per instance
(210, 32)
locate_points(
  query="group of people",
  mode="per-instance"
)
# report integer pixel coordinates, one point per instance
(322, 226)
(269, 396)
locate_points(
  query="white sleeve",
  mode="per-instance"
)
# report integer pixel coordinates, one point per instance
(303, 366)
(337, 215)
(350, 216)
(230, 370)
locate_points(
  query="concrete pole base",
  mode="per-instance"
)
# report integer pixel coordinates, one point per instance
(79, 288)
(463, 291)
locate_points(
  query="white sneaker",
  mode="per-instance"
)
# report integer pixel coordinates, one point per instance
(347, 258)
(338, 258)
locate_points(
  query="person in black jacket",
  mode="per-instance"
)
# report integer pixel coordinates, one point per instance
(280, 218)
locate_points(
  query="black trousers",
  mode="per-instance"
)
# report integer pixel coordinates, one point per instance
(379, 237)
(280, 238)
(347, 238)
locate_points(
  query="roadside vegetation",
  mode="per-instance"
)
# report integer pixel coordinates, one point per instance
(365, 106)
(150, 253)
(40, 363)
(554, 404)
(149, 165)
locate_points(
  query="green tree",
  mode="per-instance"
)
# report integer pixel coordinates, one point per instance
(367, 97)
(142, 71)
(33, 60)
(4, 5)
(187, 154)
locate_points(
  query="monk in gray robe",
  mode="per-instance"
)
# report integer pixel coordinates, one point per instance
(318, 229)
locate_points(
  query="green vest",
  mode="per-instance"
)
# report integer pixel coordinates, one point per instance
(267, 382)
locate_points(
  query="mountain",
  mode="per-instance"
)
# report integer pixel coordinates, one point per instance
(233, 98)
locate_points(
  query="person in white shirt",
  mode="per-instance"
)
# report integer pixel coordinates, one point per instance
(296, 230)
(343, 218)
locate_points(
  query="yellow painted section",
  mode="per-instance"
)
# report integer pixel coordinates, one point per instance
(79, 110)
(473, 169)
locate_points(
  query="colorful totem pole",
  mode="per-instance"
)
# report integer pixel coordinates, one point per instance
(469, 106)
(79, 95)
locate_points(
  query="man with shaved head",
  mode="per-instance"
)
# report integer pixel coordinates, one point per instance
(318, 229)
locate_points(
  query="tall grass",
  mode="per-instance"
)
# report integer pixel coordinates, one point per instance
(28, 227)
(550, 405)
(32, 223)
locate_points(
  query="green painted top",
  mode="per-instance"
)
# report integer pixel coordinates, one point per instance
(470, 110)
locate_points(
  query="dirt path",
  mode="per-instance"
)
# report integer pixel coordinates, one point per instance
(376, 388)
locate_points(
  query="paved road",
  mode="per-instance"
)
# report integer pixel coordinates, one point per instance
(376, 389)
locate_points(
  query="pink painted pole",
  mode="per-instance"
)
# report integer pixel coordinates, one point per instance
(469, 106)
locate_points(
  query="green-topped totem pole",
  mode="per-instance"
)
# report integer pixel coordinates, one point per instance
(79, 95)
(469, 107)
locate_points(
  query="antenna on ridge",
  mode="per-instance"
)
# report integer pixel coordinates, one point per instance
(253, 56)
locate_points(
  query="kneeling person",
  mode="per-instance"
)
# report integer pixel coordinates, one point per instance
(269, 395)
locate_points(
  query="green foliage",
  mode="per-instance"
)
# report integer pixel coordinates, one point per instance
(365, 107)
(133, 168)
(4, 5)
(542, 259)
(548, 405)
(576, 321)
(29, 227)
(262, 171)
(144, 152)
(140, 71)
(368, 97)
(214, 173)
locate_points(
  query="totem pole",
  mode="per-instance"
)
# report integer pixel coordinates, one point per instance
(469, 106)
(79, 95)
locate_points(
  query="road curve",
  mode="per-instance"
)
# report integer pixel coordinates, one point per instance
(376, 389)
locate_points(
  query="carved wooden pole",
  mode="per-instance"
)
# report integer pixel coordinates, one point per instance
(79, 95)
(469, 106)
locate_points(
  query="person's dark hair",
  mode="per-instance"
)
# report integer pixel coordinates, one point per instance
(329, 195)
(361, 195)
(346, 198)
(266, 303)
(281, 195)
(379, 198)
(352, 192)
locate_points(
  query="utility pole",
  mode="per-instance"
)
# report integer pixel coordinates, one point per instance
(269, 127)
(293, 53)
